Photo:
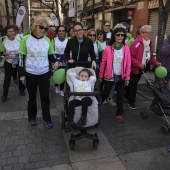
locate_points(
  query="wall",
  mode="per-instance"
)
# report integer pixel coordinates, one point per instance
(140, 16)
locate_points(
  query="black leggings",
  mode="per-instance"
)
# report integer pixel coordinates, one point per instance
(119, 95)
(10, 71)
(85, 102)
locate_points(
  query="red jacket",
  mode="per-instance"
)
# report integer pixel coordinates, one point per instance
(136, 51)
(106, 66)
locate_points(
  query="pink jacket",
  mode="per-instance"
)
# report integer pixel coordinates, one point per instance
(106, 66)
(136, 51)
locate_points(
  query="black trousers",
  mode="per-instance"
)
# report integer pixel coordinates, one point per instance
(85, 102)
(10, 71)
(119, 95)
(131, 89)
(43, 82)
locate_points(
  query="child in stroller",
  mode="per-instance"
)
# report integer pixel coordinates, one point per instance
(84, 82)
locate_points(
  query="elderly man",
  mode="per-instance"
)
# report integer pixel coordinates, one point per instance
(141, 59)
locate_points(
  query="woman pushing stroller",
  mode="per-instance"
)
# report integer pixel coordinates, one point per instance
(84, 82)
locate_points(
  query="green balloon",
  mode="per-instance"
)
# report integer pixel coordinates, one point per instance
(59, 76)
(161, 72)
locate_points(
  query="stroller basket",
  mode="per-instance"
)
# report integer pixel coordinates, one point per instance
(160, 91)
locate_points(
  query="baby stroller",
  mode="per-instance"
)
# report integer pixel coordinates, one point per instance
(160, 103)
(92, 114)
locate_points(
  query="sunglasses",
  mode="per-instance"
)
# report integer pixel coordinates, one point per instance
(94, 35)
(61, 30)
(107, 25)
(78, 30)
(100, 34)
(118, 35)
(43, 28)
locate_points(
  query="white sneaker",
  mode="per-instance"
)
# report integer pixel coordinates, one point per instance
(105, 102)
(61, 93)
(57, 90)
(112, 103)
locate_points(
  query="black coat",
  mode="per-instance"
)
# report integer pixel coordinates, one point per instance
(86, 48)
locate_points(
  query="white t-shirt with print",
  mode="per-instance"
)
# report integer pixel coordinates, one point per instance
(60, 45)
(82, 86)
(118, 56)
(11, 46)
(36, 51)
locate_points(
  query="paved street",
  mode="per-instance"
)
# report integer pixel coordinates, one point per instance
(136, 144)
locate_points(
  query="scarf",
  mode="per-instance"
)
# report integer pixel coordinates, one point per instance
(117, 47)
(146, 53)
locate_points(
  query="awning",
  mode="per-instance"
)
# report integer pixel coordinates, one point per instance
(120, 8)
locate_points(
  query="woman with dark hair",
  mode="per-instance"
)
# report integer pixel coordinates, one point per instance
(80, 47)
(107, 30)
(115, 68)
(101, 36)
(70, 33)
(9, 49)
(59, 43)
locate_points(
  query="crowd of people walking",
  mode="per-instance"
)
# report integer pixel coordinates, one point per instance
(118, 58)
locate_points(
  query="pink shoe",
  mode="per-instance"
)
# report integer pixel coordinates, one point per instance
(120, 118)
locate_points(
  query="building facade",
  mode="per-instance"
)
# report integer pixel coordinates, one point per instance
(3, 15)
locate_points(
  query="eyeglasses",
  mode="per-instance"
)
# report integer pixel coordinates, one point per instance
(94, 35)
(118, 35)
(78, 30)
(149, 33)
(107, 25)
(100, 34)
(61, 30)
(43, 28)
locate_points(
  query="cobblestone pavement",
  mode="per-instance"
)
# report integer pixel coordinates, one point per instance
(25, 147)
(136, 144)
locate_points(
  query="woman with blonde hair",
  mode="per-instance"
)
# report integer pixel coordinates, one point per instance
(91, 34)
(36, 55)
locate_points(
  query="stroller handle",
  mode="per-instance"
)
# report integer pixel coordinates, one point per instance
(80, 63)
(96, 93)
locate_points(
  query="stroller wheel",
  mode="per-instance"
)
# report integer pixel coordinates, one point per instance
(72, 144)
(165, 129)
(144, 114)
(63, 119)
